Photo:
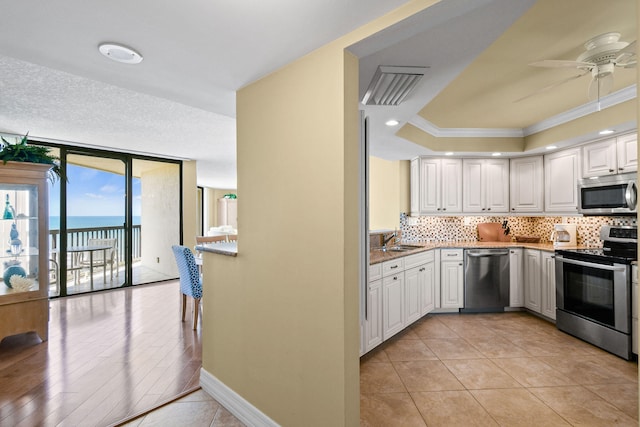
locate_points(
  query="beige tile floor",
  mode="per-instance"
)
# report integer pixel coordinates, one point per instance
(506, 369)
(197, 409)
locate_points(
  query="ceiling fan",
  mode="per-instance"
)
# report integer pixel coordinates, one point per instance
(603, 53)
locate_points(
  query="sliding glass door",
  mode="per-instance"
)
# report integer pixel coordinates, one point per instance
(112, 221)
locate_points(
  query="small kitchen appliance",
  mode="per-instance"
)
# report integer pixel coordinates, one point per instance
(593, 290)
(563, 235)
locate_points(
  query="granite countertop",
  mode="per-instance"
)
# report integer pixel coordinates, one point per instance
(376, 256)
(222, 248)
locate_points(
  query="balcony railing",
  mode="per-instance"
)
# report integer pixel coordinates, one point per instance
(81, 236)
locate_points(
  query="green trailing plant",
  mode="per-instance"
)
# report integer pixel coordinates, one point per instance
(21, 151)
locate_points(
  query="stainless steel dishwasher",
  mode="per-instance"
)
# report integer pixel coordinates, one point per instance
(486, 280)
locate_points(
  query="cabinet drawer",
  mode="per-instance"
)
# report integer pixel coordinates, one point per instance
(415, 260)
(375, 272)
(392, 267)
(451, 255)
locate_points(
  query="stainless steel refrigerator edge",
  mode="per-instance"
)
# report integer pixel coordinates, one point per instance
(486, 280)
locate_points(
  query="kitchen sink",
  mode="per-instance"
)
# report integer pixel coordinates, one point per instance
(402, 248)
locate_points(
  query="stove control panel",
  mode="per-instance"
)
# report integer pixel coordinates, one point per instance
(615, 233)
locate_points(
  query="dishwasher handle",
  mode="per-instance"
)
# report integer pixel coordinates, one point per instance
(487, 253)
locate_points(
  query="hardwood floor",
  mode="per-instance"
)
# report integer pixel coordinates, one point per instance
(109, 356)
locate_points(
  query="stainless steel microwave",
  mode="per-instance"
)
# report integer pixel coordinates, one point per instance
(608, 195)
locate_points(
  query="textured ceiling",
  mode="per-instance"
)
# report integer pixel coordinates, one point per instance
(180, 101)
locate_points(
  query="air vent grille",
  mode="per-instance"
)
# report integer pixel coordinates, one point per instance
(392, 84)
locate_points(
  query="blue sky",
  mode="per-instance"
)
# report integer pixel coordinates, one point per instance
(91, 192)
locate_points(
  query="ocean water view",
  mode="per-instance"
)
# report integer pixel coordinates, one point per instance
(90, 221)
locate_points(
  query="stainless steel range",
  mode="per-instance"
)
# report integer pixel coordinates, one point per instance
(593, 290)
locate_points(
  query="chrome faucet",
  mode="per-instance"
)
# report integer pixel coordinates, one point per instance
(387, 239)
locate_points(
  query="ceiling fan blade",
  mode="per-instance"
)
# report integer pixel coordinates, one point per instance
(626, 56)
(600, 87)
(561, 63)
(551, 86)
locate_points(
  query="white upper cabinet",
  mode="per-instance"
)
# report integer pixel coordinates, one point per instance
(527, 184)
(561, 174)
(611, 156)
(627, 146)
(599, 158)
(485, 184)
(438, 185)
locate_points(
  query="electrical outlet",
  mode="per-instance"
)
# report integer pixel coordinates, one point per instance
(467, 220)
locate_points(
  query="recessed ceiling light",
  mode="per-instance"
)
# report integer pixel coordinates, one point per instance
(551, 147)
(392, 122)
(449, 153)
(120, 53)
(606, 132)
(496, 154)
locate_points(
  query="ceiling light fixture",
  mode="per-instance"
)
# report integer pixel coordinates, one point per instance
(392, 122)
(551, 147)
(391, 84)
(606, 132)
(449, 153)
(120, 53)
(496, 154)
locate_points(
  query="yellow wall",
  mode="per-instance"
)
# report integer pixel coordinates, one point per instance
(384, 194)
(280, 323)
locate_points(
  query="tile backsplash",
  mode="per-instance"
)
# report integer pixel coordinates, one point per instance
(464, 228)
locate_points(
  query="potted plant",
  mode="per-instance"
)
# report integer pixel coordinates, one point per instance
(23, 152)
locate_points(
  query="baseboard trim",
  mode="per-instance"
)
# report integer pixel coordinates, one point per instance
(233, 402)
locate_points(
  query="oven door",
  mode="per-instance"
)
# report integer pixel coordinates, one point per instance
(597, 292)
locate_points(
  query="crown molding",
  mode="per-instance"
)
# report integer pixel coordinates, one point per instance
(618, 97)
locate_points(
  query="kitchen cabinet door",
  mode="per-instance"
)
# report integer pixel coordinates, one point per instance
(427, 282)
(496, 182)
(373, 316)
(451, 185)
(533, 278)
(516, 278)
(561, 174)
(527, 184)
(473, 188)
(548, 285)
(485, 185)
(599, 159)
(412, 279)
(452, 278)
(392, 305)
(429, 187)
(627, 150)
(415, 187)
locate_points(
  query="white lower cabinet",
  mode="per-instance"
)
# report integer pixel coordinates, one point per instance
(548, 285)
(532, 280)
(373, 309)
(516, 278)
(392, 305)
(451, 278)
(400, 292)
(412, 294)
